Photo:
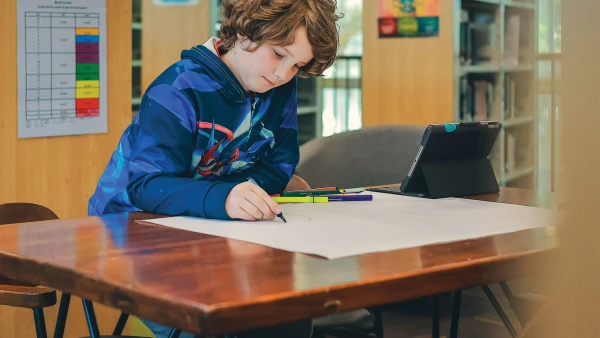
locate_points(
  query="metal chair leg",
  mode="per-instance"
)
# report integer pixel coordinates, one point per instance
(455, 313)
(90, 316)
(121, 324)
(435, 317)
(378, 323)
(507, 290)
(175, 333)
(500, 310)
(40, 323)
(63, 311)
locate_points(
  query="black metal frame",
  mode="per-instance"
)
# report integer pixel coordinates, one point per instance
(90, 316)
(435, 316)
(61, 320)
(500, 310)
(121, 324)
(378, 323)
(377, 329)
(40, 323)
(175, 333)
(457, 296)
(495, 303)
(88, 308)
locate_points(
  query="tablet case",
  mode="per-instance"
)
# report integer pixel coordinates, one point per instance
(446, 172)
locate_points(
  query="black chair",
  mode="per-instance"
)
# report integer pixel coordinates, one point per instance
(377, 155)
(18, 294)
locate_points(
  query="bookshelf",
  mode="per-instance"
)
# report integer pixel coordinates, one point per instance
(494, 48)
(310, 109)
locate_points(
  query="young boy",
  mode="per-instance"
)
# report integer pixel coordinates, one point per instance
(224, 113)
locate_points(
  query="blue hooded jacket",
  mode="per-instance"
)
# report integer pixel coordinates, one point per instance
(198, 134)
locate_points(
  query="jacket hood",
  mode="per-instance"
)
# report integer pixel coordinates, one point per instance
(206, 56)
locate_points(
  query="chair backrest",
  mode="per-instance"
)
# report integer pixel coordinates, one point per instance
(366, 157)
(24, 212)
(297, 183)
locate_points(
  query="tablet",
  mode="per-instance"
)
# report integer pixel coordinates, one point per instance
(451, 161)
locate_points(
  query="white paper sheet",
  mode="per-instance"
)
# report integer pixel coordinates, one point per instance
(389, 222)
(62, 67)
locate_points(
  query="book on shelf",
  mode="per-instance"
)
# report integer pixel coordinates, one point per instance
(517, 96)
(518, 150)
(477, 38)
(510, 93)
(511, 39)
(476, 99)
(511, 145)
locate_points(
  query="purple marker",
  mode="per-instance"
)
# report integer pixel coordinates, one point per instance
(343, 198)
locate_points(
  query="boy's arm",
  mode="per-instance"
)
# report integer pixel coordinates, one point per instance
(159, 175)
(274, 172)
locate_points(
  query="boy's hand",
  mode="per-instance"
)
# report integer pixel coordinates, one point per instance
(250, 202)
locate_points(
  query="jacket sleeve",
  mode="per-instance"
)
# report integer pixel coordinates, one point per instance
(275, 171)
(160, 179)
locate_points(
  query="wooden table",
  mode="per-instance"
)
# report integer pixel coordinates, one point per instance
(214, 285)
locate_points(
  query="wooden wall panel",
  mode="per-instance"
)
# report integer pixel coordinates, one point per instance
(166, 31)
(407, 80)
(60, 172)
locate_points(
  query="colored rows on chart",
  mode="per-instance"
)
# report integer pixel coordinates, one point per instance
(87, 92)
(87, 107)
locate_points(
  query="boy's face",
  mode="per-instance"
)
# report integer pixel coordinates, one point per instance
(268, 66)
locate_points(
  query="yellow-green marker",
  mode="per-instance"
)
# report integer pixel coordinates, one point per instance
(306, 199)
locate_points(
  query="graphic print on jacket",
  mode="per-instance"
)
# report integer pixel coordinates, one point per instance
(222, 153)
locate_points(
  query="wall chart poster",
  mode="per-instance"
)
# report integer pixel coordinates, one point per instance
(61, 67)
(408, 18)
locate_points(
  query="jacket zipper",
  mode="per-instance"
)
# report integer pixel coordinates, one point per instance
(253, 102)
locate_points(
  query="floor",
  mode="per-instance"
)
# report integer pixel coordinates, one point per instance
(477, 317)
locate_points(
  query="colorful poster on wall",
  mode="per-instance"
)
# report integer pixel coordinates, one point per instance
(408, 18)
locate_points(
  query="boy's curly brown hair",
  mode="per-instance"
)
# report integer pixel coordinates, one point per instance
(275, 22)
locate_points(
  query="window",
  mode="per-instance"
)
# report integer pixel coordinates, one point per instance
(549, 49)
(342, 90)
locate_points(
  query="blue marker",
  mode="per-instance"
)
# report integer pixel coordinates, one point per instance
(341, 198)
(280, 215)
